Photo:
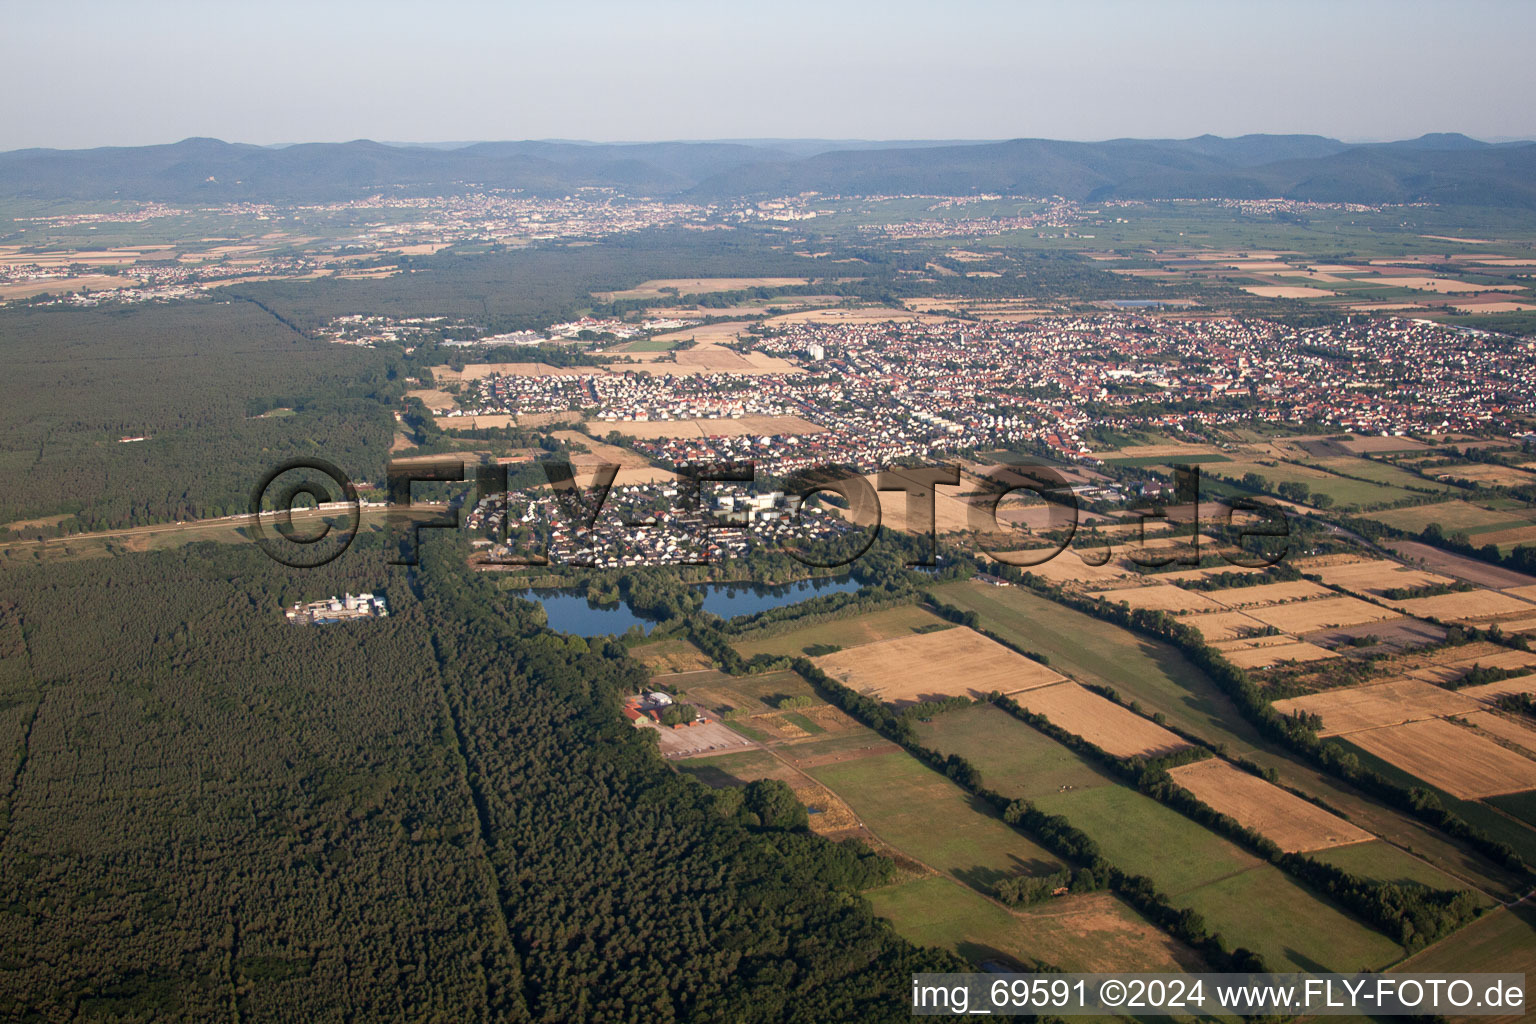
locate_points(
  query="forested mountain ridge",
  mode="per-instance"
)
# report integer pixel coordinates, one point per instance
(1441, 168)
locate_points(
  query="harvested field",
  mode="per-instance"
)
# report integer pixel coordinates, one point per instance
(1470, 604)
(1527, 593)
(725, 427)
(1507, 729)
(1268, 593)
(1382, 704)
(1469, 569)
(1267, 291)
(1296, 825)
(1377, 576)
(1162, 598)
(1216, 626)
(1491, 306)
(1100, 721)
(1310, 616)
(1440, 285)
(547, 419)
(697, 286)
(1172, 452)
(1401, 633)
(1374, 445)
(1069, 567)
(1514, 537)
(1450, 669)
(599, 451)
(957, 662)
(433, 398)
(480, 422)
(1274, 654)
(665, 657)
(58, 286)
(475, 371)
(712, 358)
(1490, 692)
(1450, 757)
(1489, 473)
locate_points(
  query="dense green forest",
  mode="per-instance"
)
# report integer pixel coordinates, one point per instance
(194, 380)
(209, 814)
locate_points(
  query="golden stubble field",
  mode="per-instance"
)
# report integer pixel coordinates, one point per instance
(697, 286)
(1296, 825)
(1453, 757)
(1380, 704)
(1099, 720)
(957, 662)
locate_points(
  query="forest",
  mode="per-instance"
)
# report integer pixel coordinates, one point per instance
(209, 814)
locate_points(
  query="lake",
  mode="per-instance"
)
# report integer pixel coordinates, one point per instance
(569, 611)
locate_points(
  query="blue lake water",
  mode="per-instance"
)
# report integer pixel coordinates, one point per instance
(570, 611)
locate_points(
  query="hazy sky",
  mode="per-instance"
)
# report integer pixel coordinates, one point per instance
(76, 73)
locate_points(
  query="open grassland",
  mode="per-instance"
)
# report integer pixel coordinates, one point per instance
(1136, 832)
(1089, 932)
(1381, 860)
(926, 666)
(1346, 493)
(904, 620)
(929, 818)
(1451, 515)
(751, 695)
(1007, 752)
(829, 815)
(1162, 679)
(1450, 757)
(1377, 472)
(1101, 722)
(668, 656)
(1293, 823)
(1501, 941)
(1250, 902)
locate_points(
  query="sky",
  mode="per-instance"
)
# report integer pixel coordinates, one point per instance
(83, 73)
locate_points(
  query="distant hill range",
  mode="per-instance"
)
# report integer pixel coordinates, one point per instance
(1447, 169)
